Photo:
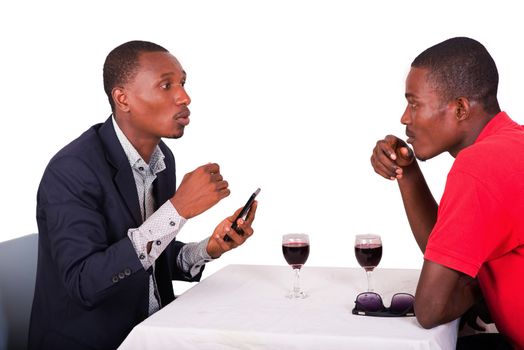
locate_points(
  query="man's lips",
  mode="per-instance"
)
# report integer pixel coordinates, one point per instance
(182, 117)
(410, 136)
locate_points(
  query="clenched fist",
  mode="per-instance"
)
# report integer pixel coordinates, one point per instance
(200, 190)
(389, 156)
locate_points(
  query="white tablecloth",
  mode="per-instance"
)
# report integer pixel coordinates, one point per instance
(243, 307)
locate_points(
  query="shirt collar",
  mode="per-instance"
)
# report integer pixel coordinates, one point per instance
(156, 163)
(499, 121)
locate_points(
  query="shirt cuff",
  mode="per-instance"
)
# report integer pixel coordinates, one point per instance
(193, 256)
(160, 229)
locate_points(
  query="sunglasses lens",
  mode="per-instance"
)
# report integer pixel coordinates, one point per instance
(370, 302)
(402, 303)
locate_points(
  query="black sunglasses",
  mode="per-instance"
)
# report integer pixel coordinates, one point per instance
(370, 304)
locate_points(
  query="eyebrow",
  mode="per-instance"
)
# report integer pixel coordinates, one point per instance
(165, 75)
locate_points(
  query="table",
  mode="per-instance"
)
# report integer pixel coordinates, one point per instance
(243, 307)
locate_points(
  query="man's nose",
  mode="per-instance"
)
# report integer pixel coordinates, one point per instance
(181, 96)
(406, 118)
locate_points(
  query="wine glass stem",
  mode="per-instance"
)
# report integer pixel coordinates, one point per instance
(370, 281)
(296, 283)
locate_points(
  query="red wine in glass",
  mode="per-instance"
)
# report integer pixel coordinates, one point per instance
(295, 247)
(368, 255)
(296, 253)
(368, 251)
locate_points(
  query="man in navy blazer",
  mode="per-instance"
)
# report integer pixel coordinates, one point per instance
(108, 213)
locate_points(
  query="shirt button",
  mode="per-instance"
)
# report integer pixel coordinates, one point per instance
(141, 168)
(142, 256)
(115, 279)
(127, 272)
(158, 242)
(172, 223)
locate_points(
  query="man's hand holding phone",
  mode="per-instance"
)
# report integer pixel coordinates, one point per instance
(242, 215)
(237, 228)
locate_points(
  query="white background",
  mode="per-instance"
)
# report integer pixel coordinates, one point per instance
(289, 96)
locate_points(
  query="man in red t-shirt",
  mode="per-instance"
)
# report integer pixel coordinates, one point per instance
(473, 242)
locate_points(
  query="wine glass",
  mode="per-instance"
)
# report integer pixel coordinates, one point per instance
(368, 251)
(295, 247)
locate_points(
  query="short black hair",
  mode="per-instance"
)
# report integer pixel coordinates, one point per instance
(121, 64)
(461, 67)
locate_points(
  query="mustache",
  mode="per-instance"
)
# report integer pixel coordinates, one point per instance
(183, 113)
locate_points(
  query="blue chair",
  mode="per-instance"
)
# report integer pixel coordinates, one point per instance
(18, 259)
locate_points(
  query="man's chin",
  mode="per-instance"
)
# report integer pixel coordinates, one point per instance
(177, 134)
(421, 156)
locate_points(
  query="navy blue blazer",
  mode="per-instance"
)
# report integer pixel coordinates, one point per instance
(91, 288)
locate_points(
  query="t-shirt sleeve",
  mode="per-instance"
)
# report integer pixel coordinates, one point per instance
(468, 224)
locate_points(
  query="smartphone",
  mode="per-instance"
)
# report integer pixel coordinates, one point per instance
(243, 214)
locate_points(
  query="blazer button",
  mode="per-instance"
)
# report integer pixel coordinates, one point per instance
(127, 272)
(115, 279)
(121, 275)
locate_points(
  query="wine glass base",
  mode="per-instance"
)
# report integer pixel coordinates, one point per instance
(297, 295)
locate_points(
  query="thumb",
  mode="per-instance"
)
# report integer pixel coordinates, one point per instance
(233, 217)
(406, 153)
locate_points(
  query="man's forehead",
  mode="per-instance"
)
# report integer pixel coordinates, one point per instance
(417, 73)
(162, 61)
(418, 78)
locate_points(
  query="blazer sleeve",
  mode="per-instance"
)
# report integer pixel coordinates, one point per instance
(93, 263)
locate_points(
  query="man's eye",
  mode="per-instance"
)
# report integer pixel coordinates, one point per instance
(166, 86)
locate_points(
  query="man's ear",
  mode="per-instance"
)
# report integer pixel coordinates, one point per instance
(120, 99)
(462, 108)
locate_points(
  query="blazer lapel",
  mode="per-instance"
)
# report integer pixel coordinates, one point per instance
(123, 174)
(165, 182)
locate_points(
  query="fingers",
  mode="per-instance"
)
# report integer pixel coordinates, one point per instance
(216, 178)
(211, 168)
(221, 185)
(237, 237)
(234, 241)
(243, 230)
(217, 245)
(391, 142)
(384, 167)
(200, 190)
(252, 212)
(406, 153)
(389, 157)
(383, 158)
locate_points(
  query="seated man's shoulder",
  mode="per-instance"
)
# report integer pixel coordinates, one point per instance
(86, 148)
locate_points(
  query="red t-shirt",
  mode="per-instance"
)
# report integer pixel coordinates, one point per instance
(480, 223)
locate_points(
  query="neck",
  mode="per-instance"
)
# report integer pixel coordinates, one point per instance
(143, 143)
(472, 129)
(145, 149)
